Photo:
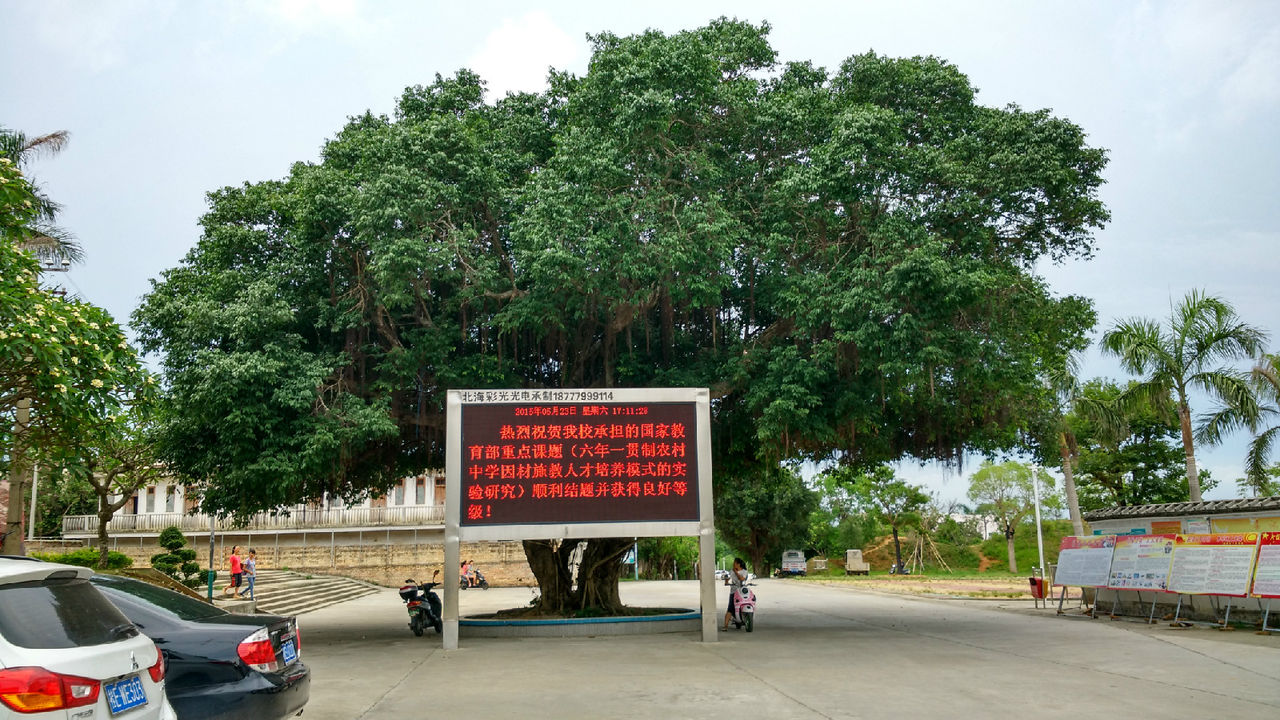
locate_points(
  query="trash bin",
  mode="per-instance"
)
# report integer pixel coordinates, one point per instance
(1037, 588)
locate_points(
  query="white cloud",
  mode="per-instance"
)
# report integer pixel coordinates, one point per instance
(1253, 84)
(295, 19)
(517, 55)
(94, 39)
(1219, 55)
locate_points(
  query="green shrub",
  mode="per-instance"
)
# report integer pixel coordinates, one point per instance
(1024, 546)
(88, 557)
(171, 538)
(959, 557)
(179, 562)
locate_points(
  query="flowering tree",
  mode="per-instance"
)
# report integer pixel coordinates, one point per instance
(63, 363)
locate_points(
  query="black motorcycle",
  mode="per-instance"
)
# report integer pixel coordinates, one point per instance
(424, 605)
(478, 581)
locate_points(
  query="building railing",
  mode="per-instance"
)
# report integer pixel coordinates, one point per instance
(307, 519)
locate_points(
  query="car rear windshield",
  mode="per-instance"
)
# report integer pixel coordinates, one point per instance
(176, 604)
(59, 612)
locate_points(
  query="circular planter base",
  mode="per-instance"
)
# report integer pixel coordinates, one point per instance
(687, 621)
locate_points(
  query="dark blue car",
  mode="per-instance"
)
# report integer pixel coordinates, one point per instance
(219, 664)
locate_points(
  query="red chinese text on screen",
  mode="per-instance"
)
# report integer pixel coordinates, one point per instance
(589, 463)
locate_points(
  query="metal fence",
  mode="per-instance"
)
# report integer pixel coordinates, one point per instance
(304, 519)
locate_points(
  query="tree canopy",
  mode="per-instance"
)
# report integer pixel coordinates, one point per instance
(1007, 493)
(64, 364)
(845, 257)
(891, 501)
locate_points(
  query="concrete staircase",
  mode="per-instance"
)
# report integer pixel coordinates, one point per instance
(280, 592)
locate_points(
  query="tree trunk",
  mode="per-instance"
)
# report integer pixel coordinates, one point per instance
(599, 573)
(897, 550)
(1188, 448)
(597, 578)
(1069, 483)
(757, 560)
(550, 569)
(1013, 559)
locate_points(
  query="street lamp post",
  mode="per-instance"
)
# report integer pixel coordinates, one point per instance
(1035, 488)
(31, 516)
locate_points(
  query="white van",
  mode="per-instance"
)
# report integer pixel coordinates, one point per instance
(792, 563)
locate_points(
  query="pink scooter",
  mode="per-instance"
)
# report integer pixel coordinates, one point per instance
(744, 609)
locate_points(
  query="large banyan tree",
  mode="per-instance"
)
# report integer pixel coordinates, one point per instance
(847, 259)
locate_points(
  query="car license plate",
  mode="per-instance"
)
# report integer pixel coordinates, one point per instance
(125, 694)
(290, 654)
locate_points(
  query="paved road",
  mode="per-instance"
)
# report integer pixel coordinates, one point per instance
(818, 652)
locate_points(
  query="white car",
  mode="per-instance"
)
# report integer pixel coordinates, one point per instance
(66, 652)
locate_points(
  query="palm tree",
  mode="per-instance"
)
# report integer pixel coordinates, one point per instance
(1204, 332)
(1071, 400)
(47, 241)
(1255, 414)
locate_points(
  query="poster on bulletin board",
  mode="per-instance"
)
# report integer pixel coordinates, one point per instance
(1084, 561)
(1213, 564)
(1141, 562)
(1266, 574)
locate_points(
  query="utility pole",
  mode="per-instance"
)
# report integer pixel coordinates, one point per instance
(212, 559)
(1035, 486)
(13, 544)
(31, 516)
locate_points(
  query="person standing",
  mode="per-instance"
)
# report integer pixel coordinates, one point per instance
(737, 576)
(237, 572)
(250, 571)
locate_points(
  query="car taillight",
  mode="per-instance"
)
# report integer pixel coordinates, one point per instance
(297, 638)
(34, 689)
(256, 652)
(157, 670)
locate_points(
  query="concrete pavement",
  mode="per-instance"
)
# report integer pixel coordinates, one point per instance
(818, 652)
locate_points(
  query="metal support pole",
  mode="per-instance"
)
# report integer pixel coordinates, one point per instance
(1151, 617)
(31, 516)
(1035, 487)
(212, 560)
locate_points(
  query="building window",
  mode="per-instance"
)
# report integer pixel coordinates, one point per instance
(399, 494)
(151, 499)
(420, 490)
(170, 497)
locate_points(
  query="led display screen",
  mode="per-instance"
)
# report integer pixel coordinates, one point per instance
(555, 462)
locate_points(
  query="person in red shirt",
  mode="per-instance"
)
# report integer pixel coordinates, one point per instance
(237, 572)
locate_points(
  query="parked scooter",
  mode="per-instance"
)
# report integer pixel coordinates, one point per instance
(424, 605)
(477, 581)
(744, 607)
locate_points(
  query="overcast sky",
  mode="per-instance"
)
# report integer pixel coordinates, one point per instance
(168, 100)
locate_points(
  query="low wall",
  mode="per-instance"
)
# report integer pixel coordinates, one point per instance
(382, 563)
